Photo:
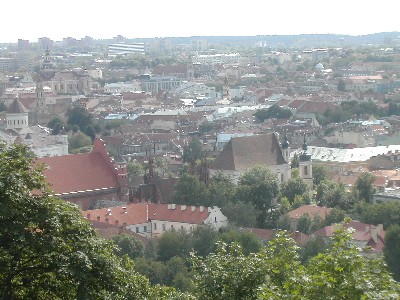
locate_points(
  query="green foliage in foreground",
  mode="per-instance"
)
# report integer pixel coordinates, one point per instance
(49, 251)
(341, 272)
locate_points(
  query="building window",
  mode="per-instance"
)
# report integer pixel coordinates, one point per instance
(163, 227)
(145, 228)
(305, 171)
(215, 219)
(137, 229)
(172, 227)
(155, 226)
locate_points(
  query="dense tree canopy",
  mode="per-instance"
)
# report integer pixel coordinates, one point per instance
(363, 188)
(274, 111)
(340, 272)
(258, 186)
(192, 152)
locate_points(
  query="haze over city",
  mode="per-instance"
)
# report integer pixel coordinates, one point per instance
(34, 19)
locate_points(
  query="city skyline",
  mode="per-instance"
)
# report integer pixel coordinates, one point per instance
(31, 20)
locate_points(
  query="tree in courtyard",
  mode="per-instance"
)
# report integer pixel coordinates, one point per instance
(258, 186)
(134, 169)
(221, 190)
(296, 187)
(79, 140)
(192, 152)
(190, 191)
(56, 124)
(363, 188)
(80, 117)
(320, 173)
(332, 194)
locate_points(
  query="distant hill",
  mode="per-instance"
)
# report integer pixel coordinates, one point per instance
(292, 41)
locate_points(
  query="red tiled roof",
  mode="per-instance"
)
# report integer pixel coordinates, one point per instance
(78, 172)
(316, 106)
(362, 232)
(133, 214)
(139, 213)
(295, 104)
(191, 214)
(311, 210)
(107, 231)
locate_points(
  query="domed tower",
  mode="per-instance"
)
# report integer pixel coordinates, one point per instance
(17, 115)
(305, 165)
(285, 147)
(47, 68)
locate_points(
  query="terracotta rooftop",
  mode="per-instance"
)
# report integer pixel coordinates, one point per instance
(373, 235)
(107, 231)
(311, 210)
(139, 213)
(78, 172)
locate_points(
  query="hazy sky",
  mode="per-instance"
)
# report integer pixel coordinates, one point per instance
(30, 19)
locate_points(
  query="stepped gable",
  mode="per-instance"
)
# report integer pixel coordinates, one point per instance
(242, 153)
(16, 107)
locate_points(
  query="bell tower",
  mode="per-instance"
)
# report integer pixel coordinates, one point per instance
(285, 147)
(305, 165)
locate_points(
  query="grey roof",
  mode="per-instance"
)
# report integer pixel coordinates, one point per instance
(16, 107)
(242, 153)
(347, 155)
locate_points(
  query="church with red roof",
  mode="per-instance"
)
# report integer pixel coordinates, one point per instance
(87, 178)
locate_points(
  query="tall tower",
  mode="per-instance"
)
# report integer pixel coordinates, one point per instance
(40, 101)
(305, 165)
(190, 69)
(285, 147)
(226, 89)
(47, 69)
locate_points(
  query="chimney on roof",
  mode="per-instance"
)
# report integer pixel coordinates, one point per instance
(98, 218)
(374, 233)
(201, 208)
(169, 206)
(88, 216)
(173, 206)
(108, 213)
(193, 208)
(183, 207)
(124, 210)
(209, 209)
